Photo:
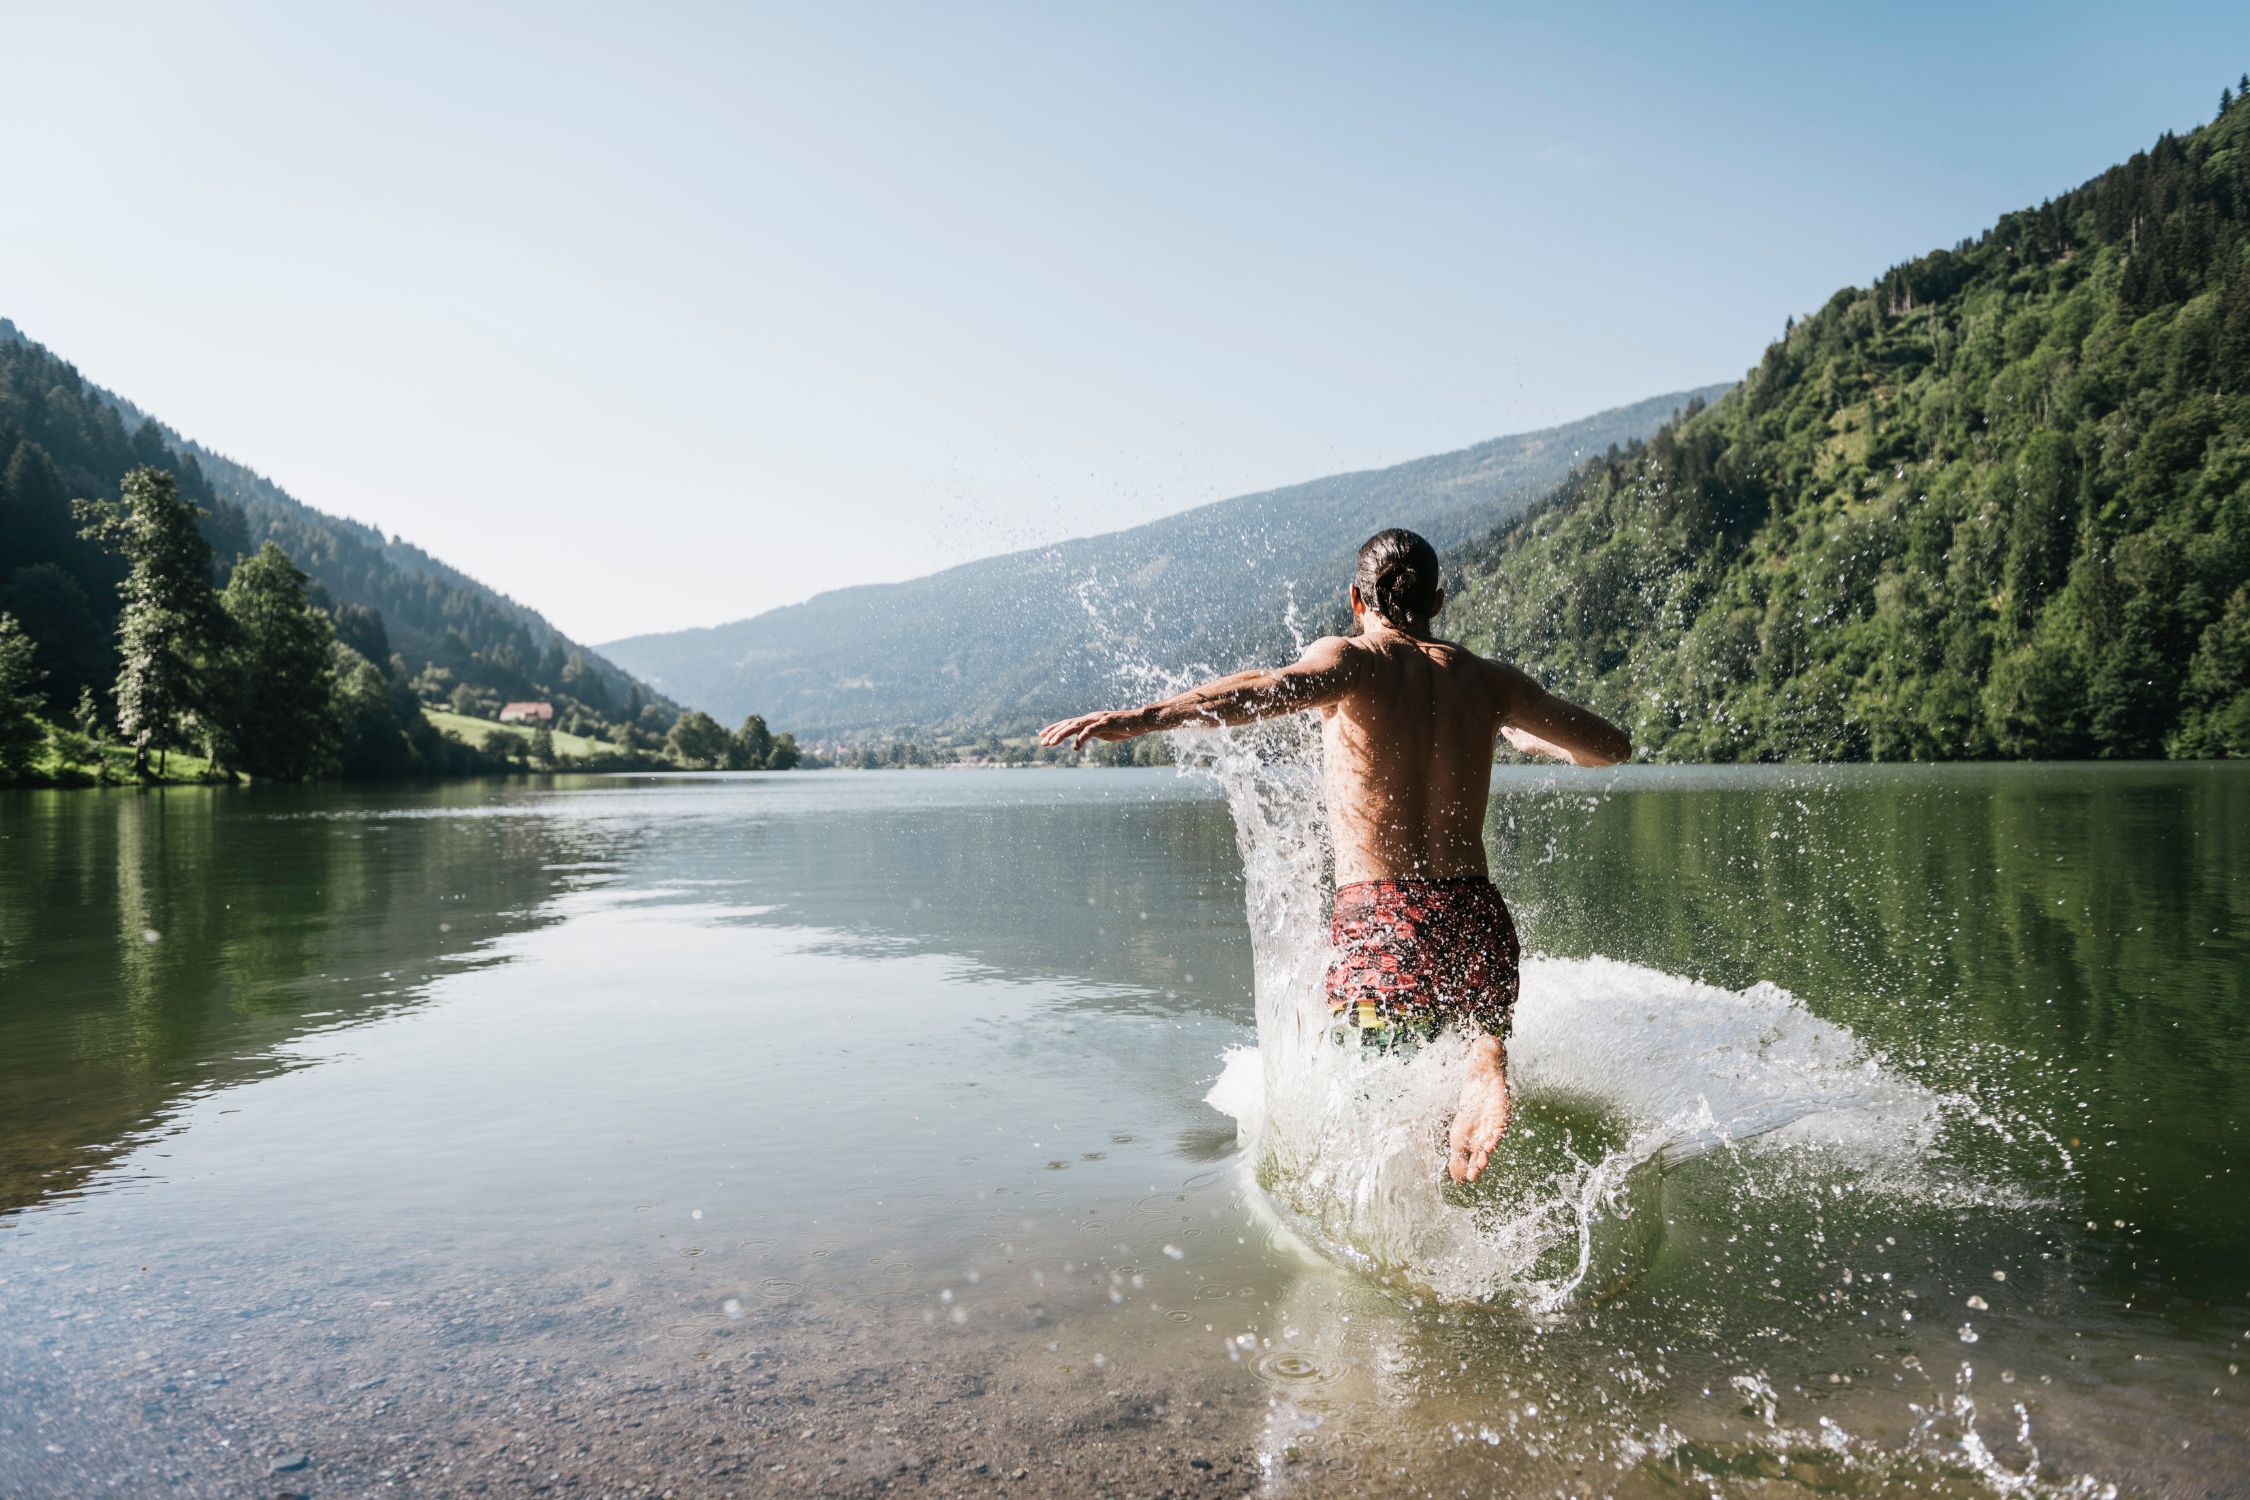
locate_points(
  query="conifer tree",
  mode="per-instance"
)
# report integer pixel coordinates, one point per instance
(274, 682)
(166, 628)
(20, 733)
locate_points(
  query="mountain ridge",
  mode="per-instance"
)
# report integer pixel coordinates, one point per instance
(997, 642)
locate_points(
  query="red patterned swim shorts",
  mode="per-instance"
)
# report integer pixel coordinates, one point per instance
(1419, 953)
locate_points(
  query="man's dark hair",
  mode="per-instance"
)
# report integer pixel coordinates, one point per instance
(1398, 578)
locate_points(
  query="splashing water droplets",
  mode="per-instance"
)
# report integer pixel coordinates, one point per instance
(1622, 1074)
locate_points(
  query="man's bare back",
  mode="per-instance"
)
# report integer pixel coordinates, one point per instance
(1407, 746)
(1409, 725)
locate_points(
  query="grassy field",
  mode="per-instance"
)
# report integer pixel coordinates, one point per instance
(473, 731)
(184, 769)
(180, 768)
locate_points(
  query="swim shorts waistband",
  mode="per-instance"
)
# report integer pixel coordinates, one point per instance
(1414, 882)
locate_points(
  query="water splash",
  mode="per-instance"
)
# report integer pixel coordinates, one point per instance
(1623, 1075)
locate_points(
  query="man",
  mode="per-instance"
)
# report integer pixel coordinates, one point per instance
(1408, 728)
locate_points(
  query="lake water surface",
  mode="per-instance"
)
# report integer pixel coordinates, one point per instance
(840, 1132)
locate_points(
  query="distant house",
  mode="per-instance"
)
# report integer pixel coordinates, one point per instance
(527, 713)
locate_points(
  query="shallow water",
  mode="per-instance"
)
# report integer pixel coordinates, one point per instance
(1883, 1129)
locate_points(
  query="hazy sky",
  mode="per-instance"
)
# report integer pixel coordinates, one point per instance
(656, 316)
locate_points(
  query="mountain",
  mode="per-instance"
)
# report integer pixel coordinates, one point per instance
(1007, 641)
(64, 437)
(1995, 504)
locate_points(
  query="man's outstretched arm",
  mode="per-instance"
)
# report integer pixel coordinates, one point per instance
(1320, 676)
(1539, 723)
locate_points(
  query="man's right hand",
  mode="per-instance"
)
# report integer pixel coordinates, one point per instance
(1109, 725)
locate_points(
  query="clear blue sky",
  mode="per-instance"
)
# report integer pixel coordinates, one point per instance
(659, 315)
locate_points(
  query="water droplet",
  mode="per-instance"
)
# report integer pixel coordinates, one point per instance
(1288, 1367)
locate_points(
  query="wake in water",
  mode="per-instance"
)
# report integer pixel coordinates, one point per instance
(1622, 1074)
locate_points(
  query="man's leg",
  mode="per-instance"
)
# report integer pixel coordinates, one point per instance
(1482, 1116)
(1488, 959)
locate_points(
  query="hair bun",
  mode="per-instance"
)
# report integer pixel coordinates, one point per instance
(1397, 573)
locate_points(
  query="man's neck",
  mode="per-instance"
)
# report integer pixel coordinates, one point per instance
(1373, 628)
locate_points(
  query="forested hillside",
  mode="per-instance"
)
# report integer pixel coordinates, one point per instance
(448, 639)
(1006, 642)
(1995, 504)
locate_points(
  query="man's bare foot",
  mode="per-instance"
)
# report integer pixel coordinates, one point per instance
(1482, 1119)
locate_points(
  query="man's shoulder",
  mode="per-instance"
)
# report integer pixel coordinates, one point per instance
(1329, 650)
(1494, 677)
(1468, 658)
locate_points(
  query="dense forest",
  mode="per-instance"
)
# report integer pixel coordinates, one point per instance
(158, 598)
(1995, 504)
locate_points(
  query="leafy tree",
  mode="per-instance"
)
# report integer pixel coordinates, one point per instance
(503, 746)
(784, 755)
(275, 690)
(379, 723)
(70, 747)
(170, 616)
(20, 732)
(87, 716)
(1152, 750)
(2035, 701)
(2218, 687)
(543, 747)
(697, 740)
(752, 747)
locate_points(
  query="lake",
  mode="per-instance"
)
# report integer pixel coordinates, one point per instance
(1884, 1129)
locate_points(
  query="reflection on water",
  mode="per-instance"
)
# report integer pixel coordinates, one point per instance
(755, 1130)
(2071, 940)
(154, 945)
